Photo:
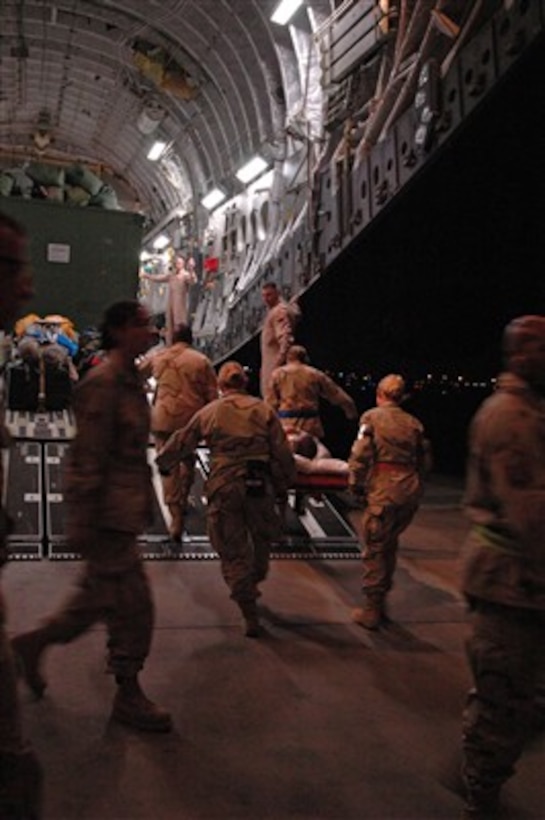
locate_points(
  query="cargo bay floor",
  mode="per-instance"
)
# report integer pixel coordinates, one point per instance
(317, 719)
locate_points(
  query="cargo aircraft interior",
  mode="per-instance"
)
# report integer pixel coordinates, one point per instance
(261, 138)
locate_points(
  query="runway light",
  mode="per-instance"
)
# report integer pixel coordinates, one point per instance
(213, 198)
(252, 169)
(156, 150)
(161, 241)
(285, 11)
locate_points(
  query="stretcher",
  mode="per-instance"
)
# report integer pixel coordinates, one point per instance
(315, 483)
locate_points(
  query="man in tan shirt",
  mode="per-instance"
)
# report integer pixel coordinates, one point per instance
(186, 381)
(251, 464)
(179, 282)
(295, 391)
(277, 333)
(386, 467)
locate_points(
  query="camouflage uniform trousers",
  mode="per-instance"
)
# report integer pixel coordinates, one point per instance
(241, 529)
(10, 717)
(382, 526)
(177, 484)
(505, 652)
(118, 596)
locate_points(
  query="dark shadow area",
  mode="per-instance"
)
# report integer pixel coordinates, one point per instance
(431, 283)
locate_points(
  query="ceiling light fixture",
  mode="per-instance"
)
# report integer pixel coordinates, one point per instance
(213, 198)
(156, 150)
(252, 169)
(161, 242)
(285, 11)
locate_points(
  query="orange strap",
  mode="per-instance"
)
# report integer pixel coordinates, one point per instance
(382, 466)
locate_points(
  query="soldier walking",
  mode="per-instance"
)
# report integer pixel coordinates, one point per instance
(185, 382)
(251, 465)
(108, 497)
(504, 568)
(386, 467)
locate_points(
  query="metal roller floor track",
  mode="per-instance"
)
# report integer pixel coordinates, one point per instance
(34, 499)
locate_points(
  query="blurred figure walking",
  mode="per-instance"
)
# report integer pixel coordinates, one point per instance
(504, 568)
(108, 497)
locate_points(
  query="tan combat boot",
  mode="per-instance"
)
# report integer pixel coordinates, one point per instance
(252, 628)
(370, 614)
(132, 708)
(28, 649)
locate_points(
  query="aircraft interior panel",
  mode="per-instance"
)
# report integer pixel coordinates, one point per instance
(478, 67)
(516, 25)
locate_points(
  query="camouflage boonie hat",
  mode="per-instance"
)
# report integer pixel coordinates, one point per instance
(233, 375)
(392, 387)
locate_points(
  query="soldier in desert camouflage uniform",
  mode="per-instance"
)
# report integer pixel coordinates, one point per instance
(276, 333)
(295, 391)
(386, 467)
(186, 381)
(504, 567)
(179, 280)
(251, 465)
(108, 498)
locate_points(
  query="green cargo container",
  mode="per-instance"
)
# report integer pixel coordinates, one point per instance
(83, 258)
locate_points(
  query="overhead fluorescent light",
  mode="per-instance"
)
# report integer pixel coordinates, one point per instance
(156, 150)
(264, 183)
(161, 241)
(213, 198)
(285, 11)
(252, 169)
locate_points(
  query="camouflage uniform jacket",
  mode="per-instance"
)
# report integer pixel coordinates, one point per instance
(297, 388)
(504, 559)
(276, 338)
(237, 428)
(389, 457)
(108, 479)
(186, 381)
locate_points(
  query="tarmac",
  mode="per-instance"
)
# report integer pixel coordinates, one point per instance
(318, 719)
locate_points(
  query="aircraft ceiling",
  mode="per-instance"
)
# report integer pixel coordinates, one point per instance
(216, 81)
(101, 80)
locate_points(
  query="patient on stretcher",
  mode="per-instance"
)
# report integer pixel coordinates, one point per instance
(316, 468)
